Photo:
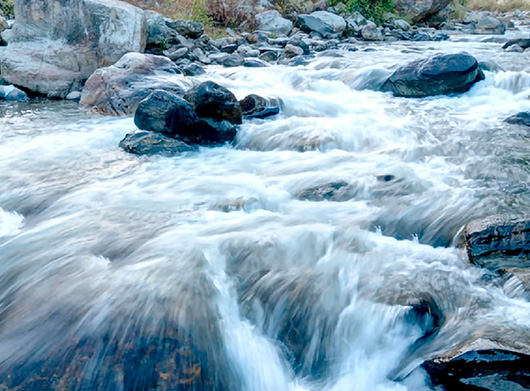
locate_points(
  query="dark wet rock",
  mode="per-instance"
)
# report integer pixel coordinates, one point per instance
(12, 93)
(166, 113)
(485, 370)
(209, 132)
(229, 48)
(325, 23)
(522, 42)
(255, 63)
(333, 191)
(273, 22)
(255, 106)
(440, 74)
(269, 56)
(519, 119)
(153, 143)
(187, 28)
(210, 100)
(499, 241)
(118, 89)
(193, 70)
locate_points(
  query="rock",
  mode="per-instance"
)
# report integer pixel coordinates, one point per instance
(333, 191)
(54, 46)
(487, 370)
(174, 55)
(193, 70)
(293, 51)
(515, 49)
(12, 93)
(233, 60)
(522, 42)
(519, 119)
(210, 100)
(402, 24)
(209, 132)
(440, 74)
(371, 32)
(118, 89)
(255, 106)
(255, 63)
(499, 241)
(152, 143)
(158, 33)
(273, 22)
(187, 28)
(517, 282)
(74, 95)
(489, 25)
(325, 23)
(269, 56)
(420, 10)
(165, 113)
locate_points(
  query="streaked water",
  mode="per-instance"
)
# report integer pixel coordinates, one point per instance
(210, 270)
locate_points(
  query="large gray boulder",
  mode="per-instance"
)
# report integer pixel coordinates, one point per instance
(55, 45)
(441, 74)
(273, 22)
(325, 23)
(421, 10)
(488, 25)
(119, 88)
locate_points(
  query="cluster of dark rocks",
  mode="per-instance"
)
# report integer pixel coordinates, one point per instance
(208, 114)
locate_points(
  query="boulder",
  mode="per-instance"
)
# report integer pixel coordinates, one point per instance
(519, 119)
(325, 23)
(12, 93)
(254, 63)
(522, 42)
(158, 33)
(55, 45)
(440, 74)
(371, 32)
(152, 143)
(118, 89)
(193, 70)
(187, 28)
(291, 51)
(210, 132)
(487, 370)
(421, 10)
(210, 100)
(489, 25)
(273, 22)
(499, 241)
(166, 113)
(255, 106)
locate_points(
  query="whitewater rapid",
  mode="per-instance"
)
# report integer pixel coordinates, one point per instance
(274, 289)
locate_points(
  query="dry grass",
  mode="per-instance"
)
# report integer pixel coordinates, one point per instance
(196, 10)
(498, 5)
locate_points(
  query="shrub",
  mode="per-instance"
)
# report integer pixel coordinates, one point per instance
(7, 7)
(371, 9)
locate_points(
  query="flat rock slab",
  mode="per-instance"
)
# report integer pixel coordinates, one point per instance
(499, 241)
(486, 370)
(151, 143)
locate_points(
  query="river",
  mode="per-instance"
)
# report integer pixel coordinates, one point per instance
(290, 261)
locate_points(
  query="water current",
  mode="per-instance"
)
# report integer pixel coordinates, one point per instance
(289, 261)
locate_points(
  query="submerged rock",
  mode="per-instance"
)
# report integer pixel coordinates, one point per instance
(519, 119)
(499, 241)
(487, 370)
(440, 74)
(12, 93)
(210, 100)
(118, 89)
(523, 43)
(152, 143)
(54, 46)
(333, 191)
(255, 106)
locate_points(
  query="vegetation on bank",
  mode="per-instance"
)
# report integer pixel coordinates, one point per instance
(8, 8)
(371, 9)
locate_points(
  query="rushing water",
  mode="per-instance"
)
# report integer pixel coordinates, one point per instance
(220, 270)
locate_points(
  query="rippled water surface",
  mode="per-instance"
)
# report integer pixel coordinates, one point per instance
(288, 261)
